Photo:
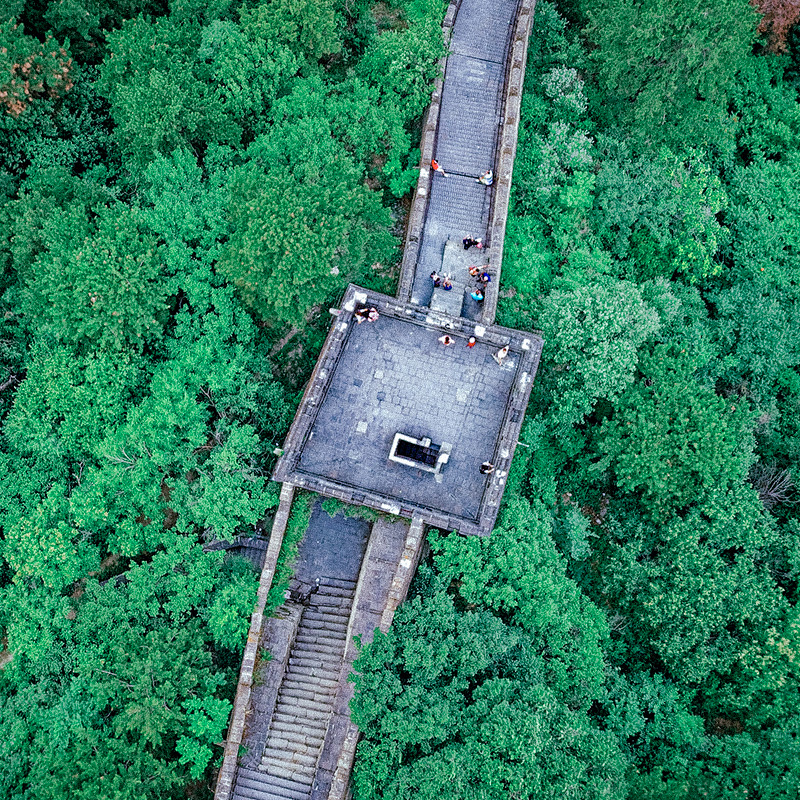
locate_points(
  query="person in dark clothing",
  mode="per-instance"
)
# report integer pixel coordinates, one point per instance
(468, 242)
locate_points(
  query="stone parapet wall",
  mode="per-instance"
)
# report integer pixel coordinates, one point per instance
(405, 568)
(430, 128)
(227, 772)
(506, 151)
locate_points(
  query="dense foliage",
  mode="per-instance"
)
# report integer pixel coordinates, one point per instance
(180, 183)
(184, 186)
(631, 629)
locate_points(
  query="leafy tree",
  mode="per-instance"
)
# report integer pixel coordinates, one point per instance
(491, 700)
(672, 439)
(104, 286)
(441, 713)
(594, 333)
(763, 219)
(778, 18)
(244, 70)
(662, 212)
(765, 103)
(208, 718)
(228, 616)
(669, 73)
(291, 246)
(29, 69)
(310, 28)
(157, 102)
(756, 323)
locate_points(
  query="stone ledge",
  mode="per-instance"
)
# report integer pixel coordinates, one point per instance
(507, 148)
(227, 773)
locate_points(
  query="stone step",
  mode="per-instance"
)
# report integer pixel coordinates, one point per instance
(297, 681)
(307, 673)
(297, 772)
(335, 650)
(297, 714)
(304, 702)
(275, 755)
(307, 728)
(336, 609)
(258, 785)
(330, 606)
(314, 661)
(340, 582)
(329, 590)
(320, 637)
(307, 745)
(325, 666)
(323, 617)
(316, 647)
(329, 629)
(267, 792)
(339, 643)
(307, 693)
(325, 624)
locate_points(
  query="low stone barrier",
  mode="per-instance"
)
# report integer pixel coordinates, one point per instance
(506, 151)
(430, 128)
(227, 773)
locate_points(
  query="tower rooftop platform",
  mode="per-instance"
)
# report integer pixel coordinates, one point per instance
(374, 380)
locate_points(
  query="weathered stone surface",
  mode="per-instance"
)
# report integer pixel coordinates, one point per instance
(393, 376)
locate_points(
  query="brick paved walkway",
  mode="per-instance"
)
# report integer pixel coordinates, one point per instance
(469, 122)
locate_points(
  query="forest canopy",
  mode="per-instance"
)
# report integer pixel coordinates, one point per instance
(184, 187)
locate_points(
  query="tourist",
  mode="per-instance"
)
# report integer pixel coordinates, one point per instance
(485, 278)
(438, 168)
(471, 342)
(474, 271)
(487, 468)
(446, 340)
(361, 314)
(373, 315)
(487, 178)
(477, 295)
(447, 284)
(501, 355)
(468, 242)
(437, 279)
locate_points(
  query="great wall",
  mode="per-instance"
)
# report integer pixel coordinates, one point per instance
(379, 385)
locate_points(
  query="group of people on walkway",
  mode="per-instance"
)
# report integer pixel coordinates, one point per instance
(441, 281)
(486, 178)
(478, 292)
(483, 279)
(500, 356)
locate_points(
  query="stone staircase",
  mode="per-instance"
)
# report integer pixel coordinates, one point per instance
(456, 263)
(305, 700)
